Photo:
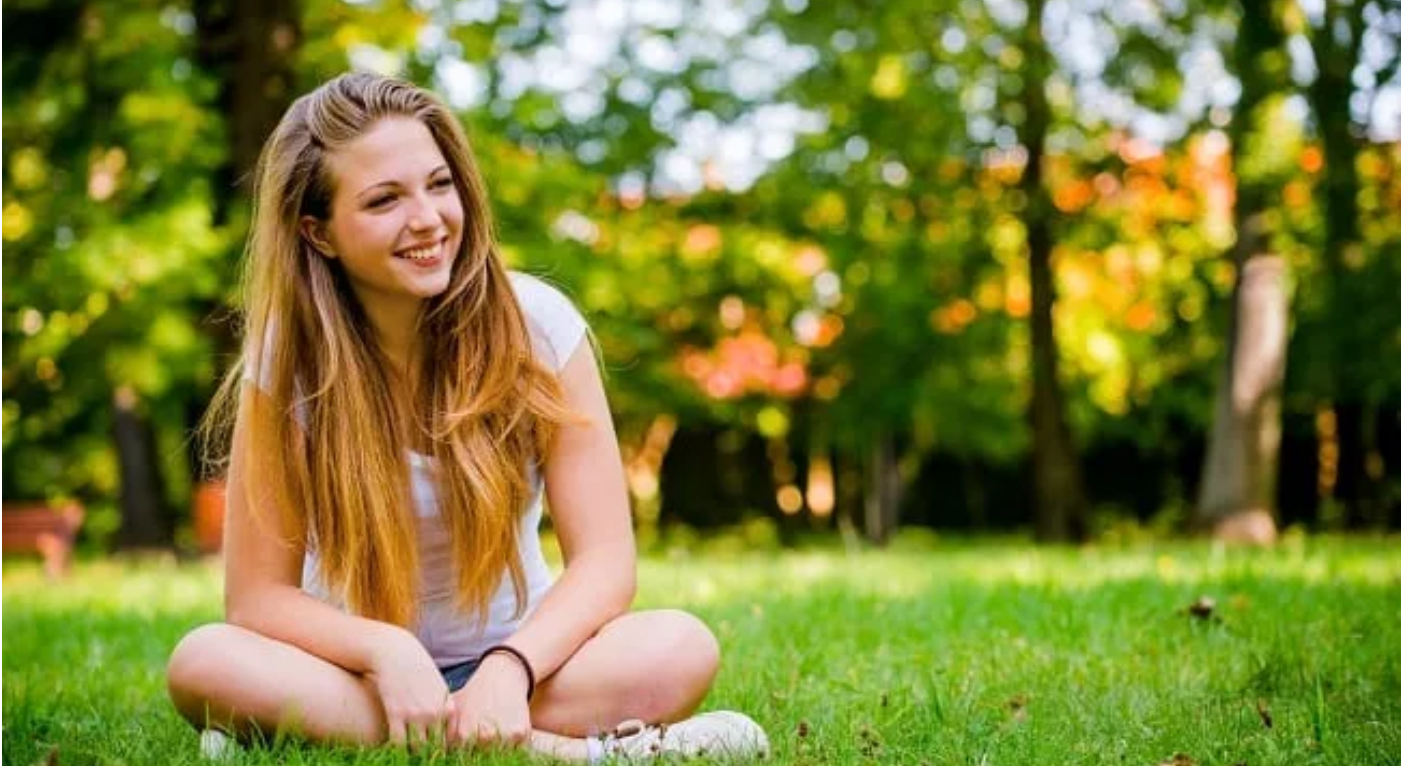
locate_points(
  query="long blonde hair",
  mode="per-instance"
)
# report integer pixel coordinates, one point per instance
(334, 440)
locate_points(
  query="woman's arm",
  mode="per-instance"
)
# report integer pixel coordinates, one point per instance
(589, 507)
(263, 564)
(262, 593)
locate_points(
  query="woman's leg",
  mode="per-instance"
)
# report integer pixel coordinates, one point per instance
(222, 676)
(652, 666)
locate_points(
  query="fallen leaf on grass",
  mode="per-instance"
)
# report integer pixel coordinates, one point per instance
(802, 730)
(1179, 759)
(1203, 607)
(1265, 714)
(867, 742)
(1017, 708)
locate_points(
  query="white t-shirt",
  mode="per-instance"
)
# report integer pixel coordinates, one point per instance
(556, 330)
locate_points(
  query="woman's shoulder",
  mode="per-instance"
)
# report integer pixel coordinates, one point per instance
(534, 290)
(541, 300)
(556, 326)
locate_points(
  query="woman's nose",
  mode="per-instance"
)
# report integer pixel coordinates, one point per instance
(425, 215)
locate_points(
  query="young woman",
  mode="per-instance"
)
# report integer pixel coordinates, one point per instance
(402, 404)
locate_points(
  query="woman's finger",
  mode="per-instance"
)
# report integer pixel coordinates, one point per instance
(395, 724)
(488, 736)
(448, 722)
(462, 731)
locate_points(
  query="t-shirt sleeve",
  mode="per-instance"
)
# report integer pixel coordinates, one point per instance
(258, 371)
(556, 326)
(258, 362)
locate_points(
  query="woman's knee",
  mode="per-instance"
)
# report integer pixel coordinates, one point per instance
(696, 646)
(687, 652)
(195, 665)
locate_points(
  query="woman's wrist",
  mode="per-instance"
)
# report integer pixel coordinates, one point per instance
(512, 655)
(387, 643)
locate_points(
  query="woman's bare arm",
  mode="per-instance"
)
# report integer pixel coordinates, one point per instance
(262, 593)
(263, 565)
(589, 507)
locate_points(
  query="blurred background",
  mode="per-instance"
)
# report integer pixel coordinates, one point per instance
(1069, 270)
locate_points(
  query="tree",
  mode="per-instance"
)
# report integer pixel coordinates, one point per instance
(1236, 500)
(1060, 500)
(108, 244)
(1336, 40)
(249, 48)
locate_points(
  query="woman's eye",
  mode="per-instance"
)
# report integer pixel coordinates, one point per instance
(381, 201)
(443, 183)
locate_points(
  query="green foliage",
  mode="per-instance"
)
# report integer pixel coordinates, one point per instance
(871, 284)
(109, 246)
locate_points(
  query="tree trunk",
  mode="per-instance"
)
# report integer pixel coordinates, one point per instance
(883, 492)
(1352, 486)
(975, 494)
(1059, 492)
(1236, 500)
(145, 523)
(1329, 97)
(250, 47)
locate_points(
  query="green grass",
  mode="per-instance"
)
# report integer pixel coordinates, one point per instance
(946, 653)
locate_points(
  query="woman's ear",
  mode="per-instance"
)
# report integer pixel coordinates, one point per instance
(314, 231)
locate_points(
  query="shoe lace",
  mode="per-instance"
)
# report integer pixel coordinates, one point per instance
(621, 740)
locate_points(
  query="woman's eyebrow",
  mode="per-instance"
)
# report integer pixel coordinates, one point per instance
(373, 187)
(393, 184)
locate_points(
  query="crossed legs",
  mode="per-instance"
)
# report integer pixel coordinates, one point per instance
(654, 666)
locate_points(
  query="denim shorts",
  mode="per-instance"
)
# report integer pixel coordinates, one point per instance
(457, 675)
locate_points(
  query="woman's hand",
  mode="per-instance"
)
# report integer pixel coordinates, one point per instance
(492, 708)
(412, 691)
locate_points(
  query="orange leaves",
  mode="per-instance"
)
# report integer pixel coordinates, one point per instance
(816, 331)
(1073, 197)
(702, 242)
(1296, 194)
(749, 362)
(1140, 316)
(952, 318)
(1018, 303)
(1312, 159)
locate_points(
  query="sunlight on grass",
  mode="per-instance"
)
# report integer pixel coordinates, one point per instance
(160, 584)
(946, 652)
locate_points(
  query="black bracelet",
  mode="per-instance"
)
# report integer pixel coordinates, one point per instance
(520, 658)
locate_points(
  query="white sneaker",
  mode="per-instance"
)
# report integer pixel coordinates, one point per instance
(215, 745)
(718, 734)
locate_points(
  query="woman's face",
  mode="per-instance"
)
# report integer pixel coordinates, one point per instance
(396, 218)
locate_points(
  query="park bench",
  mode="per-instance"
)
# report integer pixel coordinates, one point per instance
(44, 529)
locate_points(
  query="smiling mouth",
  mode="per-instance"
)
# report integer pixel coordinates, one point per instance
(423, 252)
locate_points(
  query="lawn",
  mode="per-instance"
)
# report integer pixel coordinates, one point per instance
(935, 652)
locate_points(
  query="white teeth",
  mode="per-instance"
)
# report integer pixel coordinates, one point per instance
(421, 253)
